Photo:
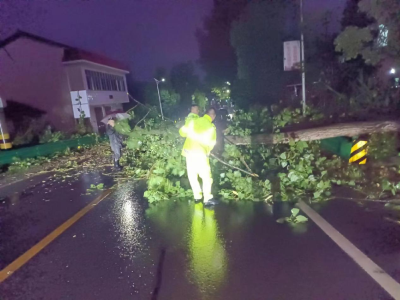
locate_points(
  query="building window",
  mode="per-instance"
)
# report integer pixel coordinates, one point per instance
(98, 81)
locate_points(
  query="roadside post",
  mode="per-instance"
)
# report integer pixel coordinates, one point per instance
(359, 151)
(5, 142)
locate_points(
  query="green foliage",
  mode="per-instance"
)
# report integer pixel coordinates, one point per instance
(290, 116)
(377, 40)
(170, 101)
(49, 137)
(303, 171)
(200, 99)
(241, 187)
(367, 94)
(389, 187)
(352, 42)
(247, 123)
(24, 164)
(287, 172)
(382, 145)
(295, 218)
(222, 92)
(95, 187)
(155, 153)
(78, 135)
(169, 98)
(123, 127)
(81, 127)
(29, 130)
(58, 161)
(300, 167)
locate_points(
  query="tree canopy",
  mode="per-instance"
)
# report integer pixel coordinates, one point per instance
(217, 56)
(257, 38)
(375, 41)
(184, 81)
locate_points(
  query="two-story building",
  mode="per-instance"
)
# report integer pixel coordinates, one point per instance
(50, 76)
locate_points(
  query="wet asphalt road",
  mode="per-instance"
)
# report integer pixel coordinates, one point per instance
(124, 249)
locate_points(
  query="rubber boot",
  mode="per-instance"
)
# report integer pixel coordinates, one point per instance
(117, 166)
(210, 202)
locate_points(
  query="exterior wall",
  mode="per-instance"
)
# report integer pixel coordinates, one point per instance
(93, 120)
(77, 80)
(35, 76)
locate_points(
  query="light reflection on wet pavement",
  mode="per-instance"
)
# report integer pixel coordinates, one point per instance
(236, 251)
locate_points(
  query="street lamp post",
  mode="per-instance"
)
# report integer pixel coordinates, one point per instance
(159, 97)
(303, 71)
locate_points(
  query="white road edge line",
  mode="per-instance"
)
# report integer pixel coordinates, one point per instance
(390, 285)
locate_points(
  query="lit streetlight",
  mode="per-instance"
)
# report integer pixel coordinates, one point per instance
(159, 97)
(392, 71)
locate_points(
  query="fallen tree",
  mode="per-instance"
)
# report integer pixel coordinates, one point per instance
(319, 133)
(293, 168)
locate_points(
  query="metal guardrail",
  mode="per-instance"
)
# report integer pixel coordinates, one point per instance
(338, 145)
(8, 156)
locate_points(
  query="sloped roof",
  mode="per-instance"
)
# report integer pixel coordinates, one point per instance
(70, 53)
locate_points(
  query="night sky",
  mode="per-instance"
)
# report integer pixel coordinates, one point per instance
(145, 34)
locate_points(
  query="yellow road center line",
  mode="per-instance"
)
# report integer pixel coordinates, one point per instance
(391, 286)
(24, 258)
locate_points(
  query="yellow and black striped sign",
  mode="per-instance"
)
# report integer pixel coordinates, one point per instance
(5, 142)
(358, 153)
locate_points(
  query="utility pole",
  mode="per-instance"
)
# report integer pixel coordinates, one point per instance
(303, 70)
(159, 97)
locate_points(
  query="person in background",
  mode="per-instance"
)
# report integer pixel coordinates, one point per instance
(221, 125)
(200, 135)
(115, 143)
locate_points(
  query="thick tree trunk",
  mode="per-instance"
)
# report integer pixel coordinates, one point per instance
(319, 133)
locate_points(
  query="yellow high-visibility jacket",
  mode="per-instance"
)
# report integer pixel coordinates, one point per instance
(201, 136)
(183, 130)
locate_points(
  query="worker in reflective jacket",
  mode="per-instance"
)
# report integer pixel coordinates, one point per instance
(194, 113)
(201, 137)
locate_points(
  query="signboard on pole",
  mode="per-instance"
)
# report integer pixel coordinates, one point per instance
(291, 57)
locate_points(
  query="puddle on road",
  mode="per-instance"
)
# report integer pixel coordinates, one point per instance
(203, 248)
(209, 238)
